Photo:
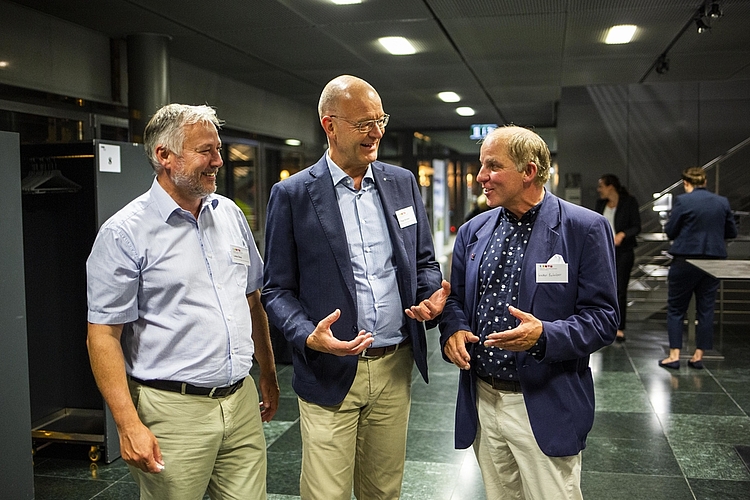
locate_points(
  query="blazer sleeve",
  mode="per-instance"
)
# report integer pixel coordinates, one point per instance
(730, 228)
(429, 276)
(454, 317)
(674, 224)
(281, 286)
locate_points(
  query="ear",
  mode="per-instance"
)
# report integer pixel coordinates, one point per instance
(529, 174)
(327, 123)
(162, 155)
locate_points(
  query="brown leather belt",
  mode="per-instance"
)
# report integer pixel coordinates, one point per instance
(185, 388)
(376, 352)
(501, 384)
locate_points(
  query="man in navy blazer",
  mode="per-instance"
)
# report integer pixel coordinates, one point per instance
(699, 223)
(533, 294)
(348, 255)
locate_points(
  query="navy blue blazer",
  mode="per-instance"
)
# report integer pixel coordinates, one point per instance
(308, 272)
(578, 317)
(699, 223)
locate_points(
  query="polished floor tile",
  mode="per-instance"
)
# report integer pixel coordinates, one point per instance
(658, 434)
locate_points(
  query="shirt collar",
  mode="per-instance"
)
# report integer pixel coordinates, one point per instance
(528, 218)
(167, 206)
(338, 175)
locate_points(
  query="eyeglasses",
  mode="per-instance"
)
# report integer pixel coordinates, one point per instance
(367, 125)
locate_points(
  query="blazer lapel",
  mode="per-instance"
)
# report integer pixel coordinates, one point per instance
(324, 201)
(543, 240)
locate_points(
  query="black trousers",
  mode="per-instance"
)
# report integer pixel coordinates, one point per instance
(624, 260)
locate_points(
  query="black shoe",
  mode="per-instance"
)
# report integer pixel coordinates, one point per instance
(674, 365)
(698, 365)
(620, 338)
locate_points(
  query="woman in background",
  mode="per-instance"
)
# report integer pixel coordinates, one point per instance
(621, 210)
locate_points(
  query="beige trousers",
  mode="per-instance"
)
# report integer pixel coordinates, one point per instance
(512, 465)
(208, 445)
(361, 443)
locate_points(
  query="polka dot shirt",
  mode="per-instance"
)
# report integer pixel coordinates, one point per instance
(499, 275)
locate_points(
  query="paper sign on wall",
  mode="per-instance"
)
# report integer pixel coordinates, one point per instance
(109, 158)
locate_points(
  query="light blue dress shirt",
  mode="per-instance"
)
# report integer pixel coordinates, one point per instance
(180, 287)
(378, 301)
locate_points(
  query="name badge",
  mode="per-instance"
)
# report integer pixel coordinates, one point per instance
(554, 270)
(406, 217)
(240, 255)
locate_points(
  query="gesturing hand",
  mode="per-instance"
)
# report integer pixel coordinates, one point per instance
(520, 338)
(455, 348)
(430, 308)
(322, 339)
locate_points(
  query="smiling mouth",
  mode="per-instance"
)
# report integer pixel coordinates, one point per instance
(212, 175)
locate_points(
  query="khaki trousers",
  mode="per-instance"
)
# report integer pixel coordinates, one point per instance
(361, 443)
(208, 445)
(512, 465)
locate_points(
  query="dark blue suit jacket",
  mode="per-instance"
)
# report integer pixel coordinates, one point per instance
(699, 223)
(578, 317)
(308, 272)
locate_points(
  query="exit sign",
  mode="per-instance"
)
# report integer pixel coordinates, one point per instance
(480, 130)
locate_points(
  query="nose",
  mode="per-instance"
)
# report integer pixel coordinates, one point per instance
(216, 159)
(377, 132)
(483, 175)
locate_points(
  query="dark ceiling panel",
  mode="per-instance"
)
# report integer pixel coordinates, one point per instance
(509, 57)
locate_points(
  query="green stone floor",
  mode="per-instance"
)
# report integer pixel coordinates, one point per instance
(658, 434)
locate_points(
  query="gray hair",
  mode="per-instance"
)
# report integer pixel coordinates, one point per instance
(167, 128)
(524, 147)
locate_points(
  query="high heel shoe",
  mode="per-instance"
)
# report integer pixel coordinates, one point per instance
(672, 365)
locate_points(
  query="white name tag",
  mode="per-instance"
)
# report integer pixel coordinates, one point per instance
(406, 217)
(240, 255)
(554, 271)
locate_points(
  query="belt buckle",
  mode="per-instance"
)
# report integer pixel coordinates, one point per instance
(364, 355)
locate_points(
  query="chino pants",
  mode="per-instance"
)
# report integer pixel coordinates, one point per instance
(208, 445)
(512, 464)
(359, 444)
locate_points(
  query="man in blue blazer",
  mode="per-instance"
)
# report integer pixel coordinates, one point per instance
(348, 255)
(699, 223)
(533, 294)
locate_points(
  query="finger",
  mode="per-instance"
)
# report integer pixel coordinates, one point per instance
(330, 319)
(446, 286)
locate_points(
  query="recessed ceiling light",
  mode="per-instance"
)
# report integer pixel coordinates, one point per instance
(465, 111)
(292, 142)
(622, 33)
(449, 97)
(346, 2)
(397, 45)
(4, 64)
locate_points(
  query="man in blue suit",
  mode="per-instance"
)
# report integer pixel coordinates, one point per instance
(699, 223)
(348, 255)
(533, 294)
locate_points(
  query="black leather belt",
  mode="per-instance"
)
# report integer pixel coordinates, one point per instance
(185, 388)
(376, 352)
(501, 384)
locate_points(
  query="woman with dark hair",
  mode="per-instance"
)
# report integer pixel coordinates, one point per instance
(621, 210)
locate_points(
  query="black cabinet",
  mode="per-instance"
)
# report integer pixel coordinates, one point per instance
(69, 190)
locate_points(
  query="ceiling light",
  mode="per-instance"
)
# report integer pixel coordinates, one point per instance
(714, 12)
(622, 33)
(292, 142)
(346, 2)
(465, 111)
(702, 27)
(397, 45)
(4, 64)
(449, 97)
